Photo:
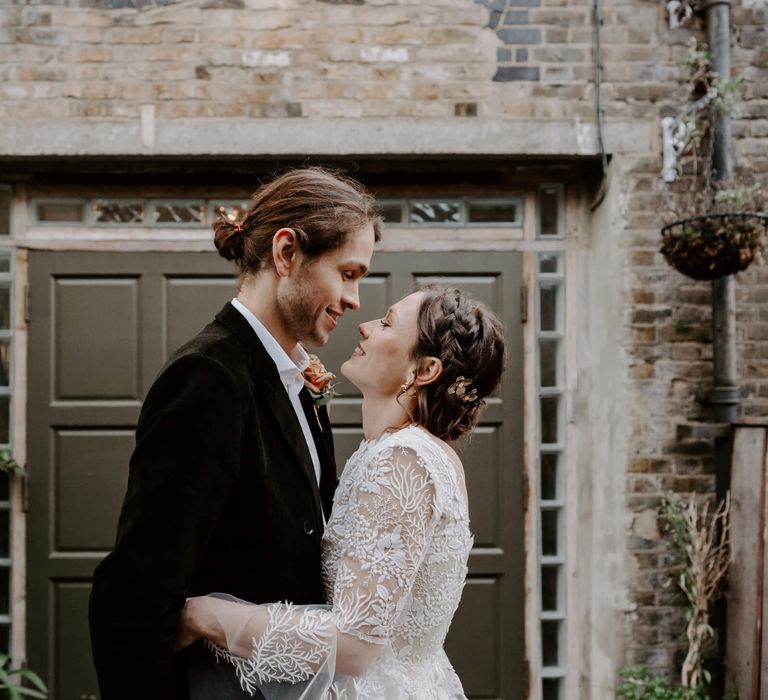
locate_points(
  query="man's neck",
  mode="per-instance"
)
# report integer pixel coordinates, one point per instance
(258, 295)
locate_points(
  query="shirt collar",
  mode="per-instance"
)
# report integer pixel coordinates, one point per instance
(290, 367)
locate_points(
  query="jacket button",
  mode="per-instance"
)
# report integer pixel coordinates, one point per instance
(308, 529)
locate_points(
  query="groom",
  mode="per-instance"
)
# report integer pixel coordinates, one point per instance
(232, 476)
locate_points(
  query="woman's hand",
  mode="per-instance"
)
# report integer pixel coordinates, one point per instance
(195, 620)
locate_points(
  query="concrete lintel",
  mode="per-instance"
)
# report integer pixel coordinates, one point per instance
(283, 137)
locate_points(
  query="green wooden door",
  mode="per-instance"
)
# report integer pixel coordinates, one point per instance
(101, 326)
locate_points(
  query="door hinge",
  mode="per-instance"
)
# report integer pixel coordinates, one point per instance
(523, 303)
(27, 307)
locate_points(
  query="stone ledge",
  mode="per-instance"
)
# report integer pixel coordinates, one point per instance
(284, 137)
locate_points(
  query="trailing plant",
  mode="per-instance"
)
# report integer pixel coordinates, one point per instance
(11, 680)
(9, 464)
(710, 96)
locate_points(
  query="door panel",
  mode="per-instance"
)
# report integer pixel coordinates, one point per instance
(102, 324)
(188, 300)
(89, 480)
(97, 331)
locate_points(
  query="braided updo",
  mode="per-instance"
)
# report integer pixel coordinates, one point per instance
(469, 341)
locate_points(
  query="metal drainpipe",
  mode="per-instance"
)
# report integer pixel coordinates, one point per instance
(725, 394)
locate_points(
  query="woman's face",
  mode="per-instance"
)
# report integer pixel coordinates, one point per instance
(382, 361)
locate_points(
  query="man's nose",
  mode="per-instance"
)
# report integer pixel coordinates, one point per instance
(352, 298)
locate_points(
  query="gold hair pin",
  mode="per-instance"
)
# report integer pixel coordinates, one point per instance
(459, 390)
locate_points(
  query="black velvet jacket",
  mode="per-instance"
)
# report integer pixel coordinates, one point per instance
(222, 496)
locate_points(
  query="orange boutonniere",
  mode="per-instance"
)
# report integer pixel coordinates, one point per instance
(318, 380)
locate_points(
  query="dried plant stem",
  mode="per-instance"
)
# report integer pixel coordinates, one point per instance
(708, 557)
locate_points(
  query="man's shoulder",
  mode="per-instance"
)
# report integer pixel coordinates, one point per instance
(215, 345)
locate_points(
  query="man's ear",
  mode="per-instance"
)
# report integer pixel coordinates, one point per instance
(285, 251)
(430, 368)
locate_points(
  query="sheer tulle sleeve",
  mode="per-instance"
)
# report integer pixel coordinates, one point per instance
(385, 528)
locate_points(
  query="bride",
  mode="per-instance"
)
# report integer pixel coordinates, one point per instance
(396, 546)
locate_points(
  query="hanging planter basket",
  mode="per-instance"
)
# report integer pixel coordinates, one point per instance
(714, 245)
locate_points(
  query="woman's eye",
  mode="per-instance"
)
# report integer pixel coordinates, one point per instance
(384, 323)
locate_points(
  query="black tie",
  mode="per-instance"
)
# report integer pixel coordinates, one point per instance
(321, 437)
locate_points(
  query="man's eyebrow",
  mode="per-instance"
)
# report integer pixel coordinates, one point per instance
(361, 266)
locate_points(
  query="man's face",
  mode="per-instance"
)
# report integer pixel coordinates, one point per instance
(320, 290)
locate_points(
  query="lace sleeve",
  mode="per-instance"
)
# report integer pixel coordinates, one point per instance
(386, 532)
(386, 529)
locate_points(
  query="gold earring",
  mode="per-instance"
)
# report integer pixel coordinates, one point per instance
(407, 384)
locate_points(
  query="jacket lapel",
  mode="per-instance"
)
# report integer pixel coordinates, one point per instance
(266, 377)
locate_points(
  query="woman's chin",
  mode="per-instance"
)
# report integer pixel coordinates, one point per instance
(347, 370)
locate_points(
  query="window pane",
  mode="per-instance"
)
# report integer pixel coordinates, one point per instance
(392, 212)
(5, 639)
(180, 213)
(5, 307)
(435, 212)
(549, 262)
(60, 211)
(5, 486)
(5, 262)
(549, 532)
(5, 211)
(5, 538)
(5, 431)
(550, 642)
(549, 419)
(233, 212)
(118, 212)
(549, 476)
(490, 212)
(550, 577)
(549, 214)
(5, 597)
(548, 301)
(548, 362)
(5, 362)
(550, 688)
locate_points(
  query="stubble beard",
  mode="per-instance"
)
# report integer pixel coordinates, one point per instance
(295, 308)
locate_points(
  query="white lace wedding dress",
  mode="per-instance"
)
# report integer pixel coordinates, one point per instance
(394, 565)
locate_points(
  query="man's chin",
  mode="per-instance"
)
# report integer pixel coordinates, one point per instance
(315, 340)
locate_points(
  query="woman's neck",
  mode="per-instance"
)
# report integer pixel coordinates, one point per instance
(382, 413)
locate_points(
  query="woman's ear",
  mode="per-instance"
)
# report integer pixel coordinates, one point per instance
(430, 368)
(285, 251)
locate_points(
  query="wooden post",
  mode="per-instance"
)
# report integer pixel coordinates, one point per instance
(745, 644)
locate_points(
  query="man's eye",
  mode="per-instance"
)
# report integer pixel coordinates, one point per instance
(347, 275)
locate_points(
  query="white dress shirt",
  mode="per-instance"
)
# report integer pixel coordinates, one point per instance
(290, 368)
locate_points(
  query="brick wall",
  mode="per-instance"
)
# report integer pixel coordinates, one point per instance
(510, 60)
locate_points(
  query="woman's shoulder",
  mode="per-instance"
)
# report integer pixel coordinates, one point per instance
(414, 448)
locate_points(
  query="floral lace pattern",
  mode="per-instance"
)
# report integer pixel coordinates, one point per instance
(394, 563)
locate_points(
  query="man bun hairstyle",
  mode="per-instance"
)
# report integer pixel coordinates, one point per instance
(320, 205)
(469, 341)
